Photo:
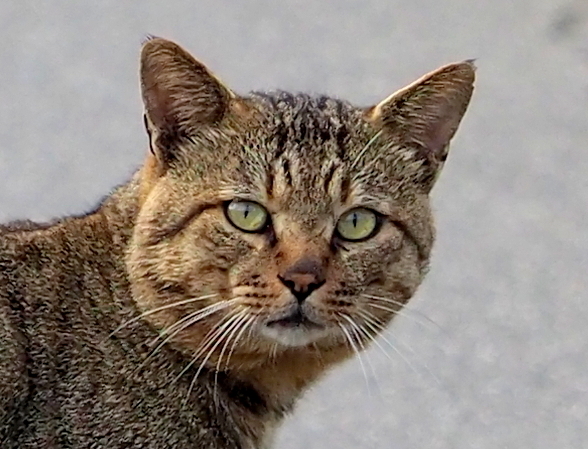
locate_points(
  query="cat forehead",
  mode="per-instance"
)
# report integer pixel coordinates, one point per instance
(315, 122)
(285, 103)
(304, 154)
(307, 141)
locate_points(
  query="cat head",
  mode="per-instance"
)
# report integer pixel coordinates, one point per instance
(276, 221)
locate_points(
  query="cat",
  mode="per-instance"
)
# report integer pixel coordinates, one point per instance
(265, 239)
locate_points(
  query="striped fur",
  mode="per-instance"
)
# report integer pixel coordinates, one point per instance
(151, 321)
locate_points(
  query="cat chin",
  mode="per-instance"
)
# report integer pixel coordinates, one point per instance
(293, 337)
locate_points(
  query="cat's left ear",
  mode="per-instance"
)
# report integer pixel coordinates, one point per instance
(180, 95)
(425, 114)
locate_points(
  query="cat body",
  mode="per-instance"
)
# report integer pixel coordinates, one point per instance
(266, 239)
(66, 384)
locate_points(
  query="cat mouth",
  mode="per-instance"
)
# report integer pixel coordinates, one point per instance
(296, 319)
(294, 328)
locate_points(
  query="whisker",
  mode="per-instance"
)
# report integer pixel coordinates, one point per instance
(184, 323)
(358, 331)
(205, 311)
(356, 350)
(237, 338)
(374, 339)
(376, 330)
(364, 149)
(210, 336)
(368, 167)
(402, 312)
(318, 352)
(379, 329)
(159, 309)
(240, 323)
(425, 324)
(228, 326)
(376, 342)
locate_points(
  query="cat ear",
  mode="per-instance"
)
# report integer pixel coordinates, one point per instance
(425, 114)
(180, 94)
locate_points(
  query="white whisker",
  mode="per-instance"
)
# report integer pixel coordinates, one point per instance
(364, 149)
(378, 328)
(237, 338)
(358, 331)
(233, 332)
(210, 336)
(356, 350)
(402, 312)
(198, 315)
(318, 352)
(227, 327)
(184, 323)
(159, 309)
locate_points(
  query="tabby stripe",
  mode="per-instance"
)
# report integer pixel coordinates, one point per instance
(169, 231)
(269, 182)
(423, 255)
(329, 177)
(345, 183)
(287, 174)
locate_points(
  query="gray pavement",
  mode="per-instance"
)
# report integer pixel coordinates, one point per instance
(508, 285)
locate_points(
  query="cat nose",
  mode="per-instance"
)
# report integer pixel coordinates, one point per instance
(304, 277)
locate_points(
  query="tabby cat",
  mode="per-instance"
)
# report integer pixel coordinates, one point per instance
(266, 238)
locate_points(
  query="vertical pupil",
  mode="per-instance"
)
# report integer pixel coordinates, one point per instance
(246, 211)
(354, 219)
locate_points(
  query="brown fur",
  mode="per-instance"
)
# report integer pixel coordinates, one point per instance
(86, 302)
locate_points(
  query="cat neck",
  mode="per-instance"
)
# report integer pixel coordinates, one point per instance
(282, 377)
(120, 210)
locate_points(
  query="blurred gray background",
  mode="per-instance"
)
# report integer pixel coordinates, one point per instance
(508, 285)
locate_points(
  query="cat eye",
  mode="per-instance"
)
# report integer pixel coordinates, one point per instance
(357, 224)
(247, 216)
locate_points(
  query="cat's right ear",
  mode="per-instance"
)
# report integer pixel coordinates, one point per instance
(180, 95)
(425, 115)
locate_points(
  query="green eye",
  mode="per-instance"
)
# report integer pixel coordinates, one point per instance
(357, 224)
(247, 215)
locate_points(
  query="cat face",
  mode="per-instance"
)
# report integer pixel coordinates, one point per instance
(279, 221)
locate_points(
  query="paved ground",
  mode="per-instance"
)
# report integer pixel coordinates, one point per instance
(509, 282)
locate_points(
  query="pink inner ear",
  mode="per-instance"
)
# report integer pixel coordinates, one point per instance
(428, 111)
(179, 92)
(159, 107)
(439, 131)
(425, 115)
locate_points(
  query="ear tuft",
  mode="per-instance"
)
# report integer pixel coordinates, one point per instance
(426, 114)
(149, 37)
